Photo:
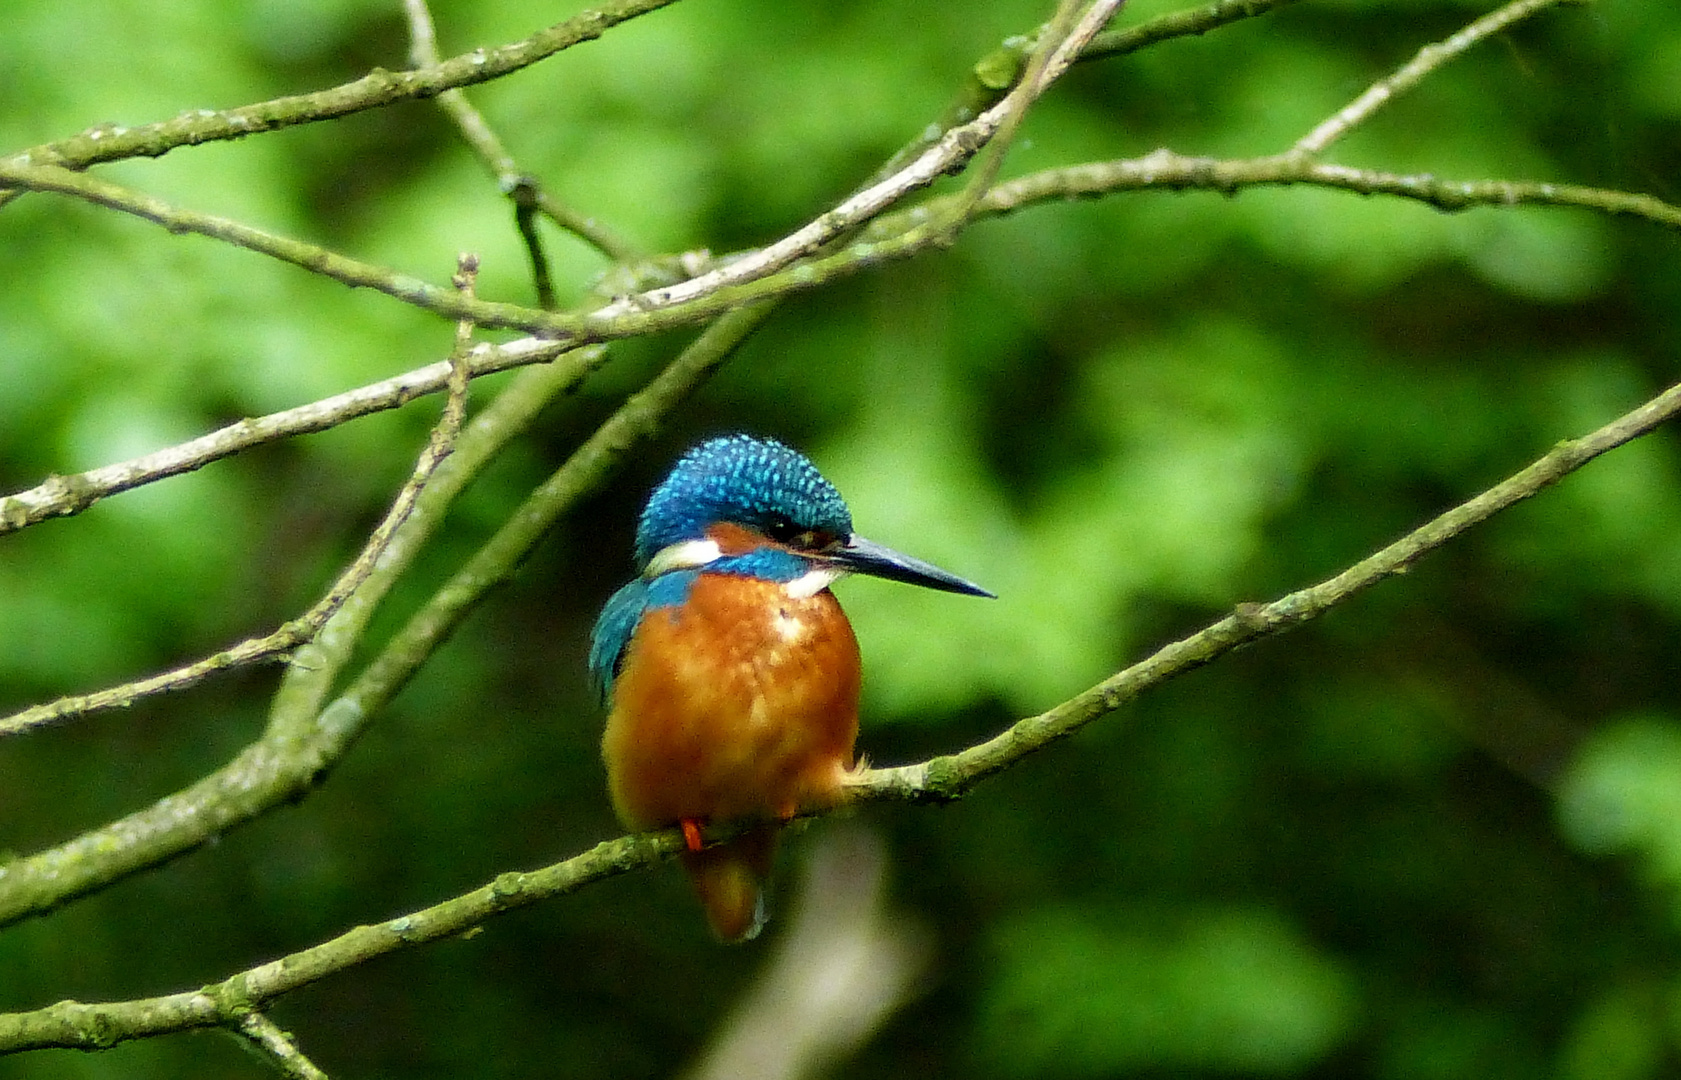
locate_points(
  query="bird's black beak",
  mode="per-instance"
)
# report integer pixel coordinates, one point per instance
(861, 556)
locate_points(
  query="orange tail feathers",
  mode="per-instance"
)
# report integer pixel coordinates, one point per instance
(730, 880)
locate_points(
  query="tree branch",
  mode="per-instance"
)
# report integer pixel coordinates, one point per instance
(994, 74)
(62, 496)
(1062, 40)
(305, 627)
(96, 1026)
(303, 739)
(685, 302)
(278, 1047)
(374, 90)
(1413, 72)
(1166, 169)
(1190, 22)
(947, 155)
(520, 187)
(944, 778)
(307, 256)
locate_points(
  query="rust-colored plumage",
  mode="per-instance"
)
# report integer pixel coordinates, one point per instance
(731, 671)
(740, 703)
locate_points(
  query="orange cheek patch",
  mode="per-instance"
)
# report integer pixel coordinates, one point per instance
(733, 539)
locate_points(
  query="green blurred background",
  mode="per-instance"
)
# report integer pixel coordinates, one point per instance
(1437, 834)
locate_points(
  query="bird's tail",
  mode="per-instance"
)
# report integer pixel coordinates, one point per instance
(730, 879)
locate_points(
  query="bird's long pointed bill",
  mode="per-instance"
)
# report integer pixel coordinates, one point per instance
(861, 556)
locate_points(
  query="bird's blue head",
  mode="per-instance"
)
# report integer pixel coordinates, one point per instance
(752, 508)
(758, 484)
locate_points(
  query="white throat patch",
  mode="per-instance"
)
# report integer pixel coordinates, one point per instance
(813, 581)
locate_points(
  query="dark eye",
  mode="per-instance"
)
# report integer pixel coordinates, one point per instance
(781, 529)
(785, 531)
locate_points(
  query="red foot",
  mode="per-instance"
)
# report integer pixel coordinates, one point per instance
(691, 834)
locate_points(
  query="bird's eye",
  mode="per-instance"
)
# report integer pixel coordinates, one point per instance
(784, 531)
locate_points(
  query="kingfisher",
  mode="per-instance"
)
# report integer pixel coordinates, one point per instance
(730, 672)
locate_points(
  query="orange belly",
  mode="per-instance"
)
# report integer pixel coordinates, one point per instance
(741, 702)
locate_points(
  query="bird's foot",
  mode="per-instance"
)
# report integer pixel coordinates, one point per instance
(691, 833)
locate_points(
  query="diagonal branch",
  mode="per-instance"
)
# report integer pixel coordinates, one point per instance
(62, 496)
(526, 194)
(372, 91)
(278, 1046)
(1063, 39)
(996, 72)
(305, 627)
(950, 777)
(303, 740)
(1187, 22)
(95, 1026)
(1413, 72)
(307, 256)
(949, 154)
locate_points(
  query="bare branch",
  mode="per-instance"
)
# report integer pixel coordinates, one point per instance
(523, 189)
(311, 257)
(947, 155)
(278, 1047)
(62, 496)
(92, 1026)
(1063, 39)
(1187, 23)
(1415, 70)
(376, 89)
(994, 74)
(950, 777)
(304, 740)
(1166, 169)
(304, 628)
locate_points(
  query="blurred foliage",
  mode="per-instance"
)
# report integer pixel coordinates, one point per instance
(1438, 835)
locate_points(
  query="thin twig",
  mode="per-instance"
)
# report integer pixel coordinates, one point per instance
(283, 641)
(1166, 169)
(1175, 24)
(95, 1026)
(307, 256)
(994, 74)
(62, 496)
(1413, 72)
(947, 155)
(1063, 39)
(945, 778)
(278, 1046)
(305, 738)
(112, 142)
(520, 187)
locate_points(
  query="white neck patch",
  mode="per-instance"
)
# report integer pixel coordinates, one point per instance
(813, 581)
(685, 555)
(692, 554)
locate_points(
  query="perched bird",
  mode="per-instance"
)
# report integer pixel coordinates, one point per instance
(730, 671)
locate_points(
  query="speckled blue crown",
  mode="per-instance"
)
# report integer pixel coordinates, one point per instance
(738, 478)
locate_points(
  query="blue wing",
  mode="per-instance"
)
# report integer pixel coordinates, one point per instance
(623, 613)
(612, 633)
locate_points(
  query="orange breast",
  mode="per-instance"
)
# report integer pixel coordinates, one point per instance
(742, 701)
